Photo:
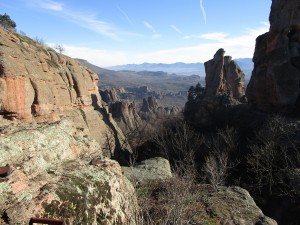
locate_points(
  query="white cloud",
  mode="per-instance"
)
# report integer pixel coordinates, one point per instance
(125, 15)
(216, 36)
(238, 47)
(176, 29)
(85, 20)
(48, 4)
(99, 57)
(155, 35)
(203, 11)
(98, 26)
(149, 26)
(241, 46)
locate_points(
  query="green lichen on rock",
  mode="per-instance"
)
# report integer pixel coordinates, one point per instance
(51, 177)
(5, 190)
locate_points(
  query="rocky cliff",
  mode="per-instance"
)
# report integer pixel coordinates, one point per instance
(275, 82)
(39, 85)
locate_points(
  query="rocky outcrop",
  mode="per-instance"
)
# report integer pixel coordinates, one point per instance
(109, 96)
(224, 88)
(151, 110)
(151, 169)
(125, 115)
(123, 112)
(275, 82)
(149, 105)
(223, 77)
(39, 85)
(52, 177)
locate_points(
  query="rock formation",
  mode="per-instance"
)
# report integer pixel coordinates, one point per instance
(224, 88)
(123, 112)
(151, 110)
(149, 105)
(223, 77)
(51, 177)
(39, 85)
(275, 82)
(109, 96)
(125, 115)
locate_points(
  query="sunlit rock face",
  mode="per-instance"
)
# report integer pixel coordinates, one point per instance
(275, 82)
(223, 90)
(39, 85)
(223, 77)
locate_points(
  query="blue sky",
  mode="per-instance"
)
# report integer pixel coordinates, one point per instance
(114, 32)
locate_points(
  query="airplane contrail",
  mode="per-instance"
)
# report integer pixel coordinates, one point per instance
(125, 15)
(203, 11)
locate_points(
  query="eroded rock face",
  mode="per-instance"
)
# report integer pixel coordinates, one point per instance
(224, 88)
(125, 115)
(52, 178)
(275, 82)
(149, 105)
(123, 112)
(223, 77)
(110, 96)
(39, 85)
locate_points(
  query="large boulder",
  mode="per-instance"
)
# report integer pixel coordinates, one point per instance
(234, 205)
(275, 82)
(39, 85)
(150, 169)
(52, 177)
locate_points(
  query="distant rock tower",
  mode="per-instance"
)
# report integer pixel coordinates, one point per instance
(223, 77)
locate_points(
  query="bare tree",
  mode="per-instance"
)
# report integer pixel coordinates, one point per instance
(217, 163)
(274, 154)
(216, 168)
(60, 48)
(179, 142)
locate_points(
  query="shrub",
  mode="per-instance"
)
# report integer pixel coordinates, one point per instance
(274, 154)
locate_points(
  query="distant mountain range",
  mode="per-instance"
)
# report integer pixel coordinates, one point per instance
(156, 80)
(180, 68)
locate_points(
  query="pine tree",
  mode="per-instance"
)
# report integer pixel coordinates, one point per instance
(7, 23)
